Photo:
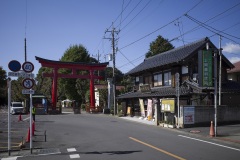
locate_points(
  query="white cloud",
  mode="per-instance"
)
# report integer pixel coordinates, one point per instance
(231, 48)
(234, 59)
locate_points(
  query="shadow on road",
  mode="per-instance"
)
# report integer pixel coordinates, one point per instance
(110, 152)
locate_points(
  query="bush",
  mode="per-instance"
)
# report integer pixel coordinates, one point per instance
(83, 107)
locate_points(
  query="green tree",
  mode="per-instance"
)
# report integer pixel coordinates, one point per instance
(17, 91)
(3, 87)
(159, 45)
(75, 89)
(44, 84)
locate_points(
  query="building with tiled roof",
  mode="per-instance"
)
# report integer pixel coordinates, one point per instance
(234, 74)
(155, 79)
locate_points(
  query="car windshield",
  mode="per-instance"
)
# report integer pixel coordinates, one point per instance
(17, 105)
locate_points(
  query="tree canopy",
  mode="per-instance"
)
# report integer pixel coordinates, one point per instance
(3, 87)
(159, 45)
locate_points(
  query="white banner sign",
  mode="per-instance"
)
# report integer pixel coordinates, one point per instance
(27, 91)
(21, 74)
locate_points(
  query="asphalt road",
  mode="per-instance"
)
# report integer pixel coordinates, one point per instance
(102, 137)
(18, 130)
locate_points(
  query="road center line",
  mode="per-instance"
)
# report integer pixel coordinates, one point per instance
(158, 149)
(209, 142)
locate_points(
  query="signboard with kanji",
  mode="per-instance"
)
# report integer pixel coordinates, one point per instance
(207, 69)
(168, 105)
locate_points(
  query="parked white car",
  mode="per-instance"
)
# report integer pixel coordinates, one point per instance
(17, 107)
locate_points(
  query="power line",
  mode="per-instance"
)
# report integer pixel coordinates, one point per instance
(129, 13)
(207, 26)
(119, 15)
(194, 7)
(183, 33)
(212, 29)
(161, 27)
(137, 14)
(150, 33)
(198, 27)
(126, 58)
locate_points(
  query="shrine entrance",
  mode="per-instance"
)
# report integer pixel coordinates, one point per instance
(74, 66)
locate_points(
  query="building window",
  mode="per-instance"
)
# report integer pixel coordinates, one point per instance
(148, 80)
(167, 79)
(137, 79)
(157, 79)
(184, 69)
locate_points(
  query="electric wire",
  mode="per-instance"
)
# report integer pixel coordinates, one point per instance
(137, 14)
(126, 58)
(119, 14)
(160, 27)
(207, 26)
(212, 29)
(129, 13)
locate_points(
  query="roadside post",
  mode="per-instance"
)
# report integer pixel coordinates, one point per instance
(27, 83)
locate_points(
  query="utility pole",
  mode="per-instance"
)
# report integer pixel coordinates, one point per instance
(98, 56)
(25, 47)
(220, 69)
(113, 32)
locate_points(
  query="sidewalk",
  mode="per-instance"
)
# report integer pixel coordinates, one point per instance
(226, 133)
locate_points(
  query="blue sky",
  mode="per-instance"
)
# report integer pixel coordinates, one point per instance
(51, 26)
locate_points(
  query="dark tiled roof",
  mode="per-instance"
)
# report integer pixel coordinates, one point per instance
(174, 56)
(169, 57)
(155, 92)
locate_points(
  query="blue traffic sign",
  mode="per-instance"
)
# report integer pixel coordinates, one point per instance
(14, 66)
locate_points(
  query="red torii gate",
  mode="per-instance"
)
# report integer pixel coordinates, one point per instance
(74, 66)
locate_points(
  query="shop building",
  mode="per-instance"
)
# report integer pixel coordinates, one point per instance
(182, 77)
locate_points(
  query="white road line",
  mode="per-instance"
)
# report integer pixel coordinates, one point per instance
(71, 150)
(44, 154)
(26, 119)
(11, 158)
(209, 142)
(74, 156)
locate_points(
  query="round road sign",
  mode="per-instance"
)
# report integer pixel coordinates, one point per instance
(28, 83)
(28, 67)
(14, 66)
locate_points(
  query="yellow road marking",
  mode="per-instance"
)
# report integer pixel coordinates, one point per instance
(158, 149)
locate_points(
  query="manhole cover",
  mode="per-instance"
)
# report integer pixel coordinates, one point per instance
(194, 131)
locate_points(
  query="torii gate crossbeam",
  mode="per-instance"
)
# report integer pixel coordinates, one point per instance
(74, 66)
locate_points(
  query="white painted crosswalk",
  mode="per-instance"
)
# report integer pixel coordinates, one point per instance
(73, 156)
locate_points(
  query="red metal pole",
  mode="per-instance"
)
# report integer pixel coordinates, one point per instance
(92, 94)
(54, 89)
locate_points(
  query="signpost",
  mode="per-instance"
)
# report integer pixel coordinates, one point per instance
(14, 65)
(27, 83)
(21, 74)
(27, 91)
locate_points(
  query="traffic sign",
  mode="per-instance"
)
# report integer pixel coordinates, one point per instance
(28, 67)
(14, 66)
(21, 74)
(28, 83)
(27, 91)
